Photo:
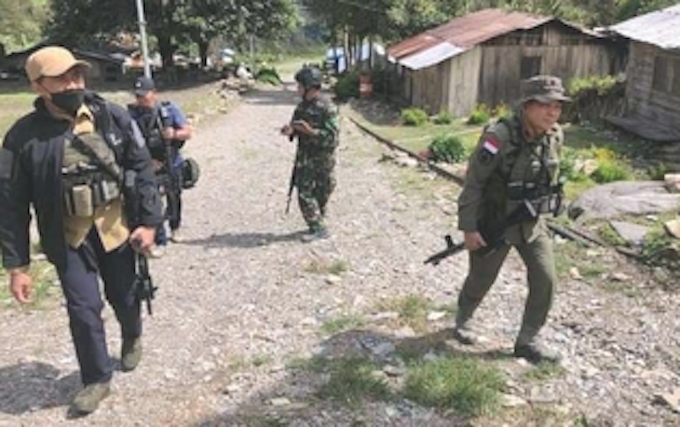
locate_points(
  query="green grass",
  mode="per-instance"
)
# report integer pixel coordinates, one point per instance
(352, 381)
(412, 309)
(342, 323)
(570, 254)
(320, 266)
(544, 371)
(463, 385)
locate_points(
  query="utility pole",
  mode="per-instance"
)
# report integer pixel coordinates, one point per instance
(142, 32)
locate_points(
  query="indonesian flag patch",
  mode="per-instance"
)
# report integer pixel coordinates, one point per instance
(491, 145)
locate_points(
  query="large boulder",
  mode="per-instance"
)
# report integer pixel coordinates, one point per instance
(624, 198)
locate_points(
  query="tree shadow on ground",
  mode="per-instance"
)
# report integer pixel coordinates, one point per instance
(29, 387)
(309, 407)
(245, 240)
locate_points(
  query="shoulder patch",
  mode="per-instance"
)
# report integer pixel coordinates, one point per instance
(491, 144)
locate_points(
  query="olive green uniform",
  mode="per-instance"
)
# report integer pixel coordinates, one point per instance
(505, 171)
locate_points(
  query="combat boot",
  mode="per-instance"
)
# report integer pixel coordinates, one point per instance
(537, 353)
(465, 334)
(87, 400)
(317, 233)
(131, 353)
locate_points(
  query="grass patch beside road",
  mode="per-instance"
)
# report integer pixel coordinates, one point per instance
(465, 385)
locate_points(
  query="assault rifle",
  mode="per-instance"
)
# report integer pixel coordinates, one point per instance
(492, 235)
(144, 288)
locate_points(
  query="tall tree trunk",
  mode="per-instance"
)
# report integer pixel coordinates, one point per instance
(203, 46)
(167, 50)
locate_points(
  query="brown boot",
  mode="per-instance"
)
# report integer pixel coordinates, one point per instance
(131, 353)
(87, 400)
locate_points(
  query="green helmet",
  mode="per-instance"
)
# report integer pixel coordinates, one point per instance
(309, 77)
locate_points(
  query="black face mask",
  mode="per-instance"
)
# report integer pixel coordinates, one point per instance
(69, 100)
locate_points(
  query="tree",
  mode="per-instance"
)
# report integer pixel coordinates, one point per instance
(20, 23)
(172, 22)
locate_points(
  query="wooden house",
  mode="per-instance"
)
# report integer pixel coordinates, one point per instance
(480, 58)
(653, 75)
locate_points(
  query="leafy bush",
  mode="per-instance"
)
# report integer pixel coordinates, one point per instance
(447, 148)
(610, 171)
(568, 164)
(480, 115)
(658, 173)
(269, 75)
(601, 85)
(443, 118)
(414, 117)
(347, 86)
(502, 111)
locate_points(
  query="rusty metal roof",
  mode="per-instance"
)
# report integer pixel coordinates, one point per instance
(467, 31)
(660, 28)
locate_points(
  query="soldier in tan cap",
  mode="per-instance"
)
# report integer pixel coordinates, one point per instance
(66, 160)
(515, 163)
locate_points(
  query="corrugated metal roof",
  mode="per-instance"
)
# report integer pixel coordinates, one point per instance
(431, 56)
(467, 31)
(660, 28)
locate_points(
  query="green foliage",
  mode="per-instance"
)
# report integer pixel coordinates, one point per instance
(544, 371)
(609, 235)
(612, 170)
(480, 115)
(21, 22)
(448, 149)
(443, 118)
(658, 172)
(269, 75)
(412, 310)
(600, 85)
(342, 323)
(347, 86)
(352, 381)
(414, 116)
(461, 384)
(568, 161)
(502, 111)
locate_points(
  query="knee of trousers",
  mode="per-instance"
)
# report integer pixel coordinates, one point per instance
(85, 316)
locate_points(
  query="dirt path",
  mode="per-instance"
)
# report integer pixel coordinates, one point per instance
(241, 303)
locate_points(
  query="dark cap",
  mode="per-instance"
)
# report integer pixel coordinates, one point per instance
(543, 89)
(144, 85)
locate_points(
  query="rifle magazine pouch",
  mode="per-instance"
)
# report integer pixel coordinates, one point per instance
(79, 201)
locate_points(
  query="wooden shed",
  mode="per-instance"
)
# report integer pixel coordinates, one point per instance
(653, 75)
(482, 57)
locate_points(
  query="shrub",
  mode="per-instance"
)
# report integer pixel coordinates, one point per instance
(443, 118)
(568, 163)
(601, 85)
(347, 86)
(269, 75)
(414, 117)
(610, 171)
(502, 111)
(480, 115)
(447, 148)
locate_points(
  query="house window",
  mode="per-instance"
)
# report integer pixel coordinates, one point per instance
(530, 66)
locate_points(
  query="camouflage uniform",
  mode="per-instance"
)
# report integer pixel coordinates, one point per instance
(315, 160)
(505, 171)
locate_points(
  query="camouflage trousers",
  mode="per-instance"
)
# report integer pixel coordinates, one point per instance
(315, 186)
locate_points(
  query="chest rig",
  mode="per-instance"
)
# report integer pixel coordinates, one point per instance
(151, 122)
(532, 171)
(91, 176)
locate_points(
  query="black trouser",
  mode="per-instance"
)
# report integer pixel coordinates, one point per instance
(80, 282)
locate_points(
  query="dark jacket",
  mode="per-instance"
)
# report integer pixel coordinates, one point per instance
(30, 174)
